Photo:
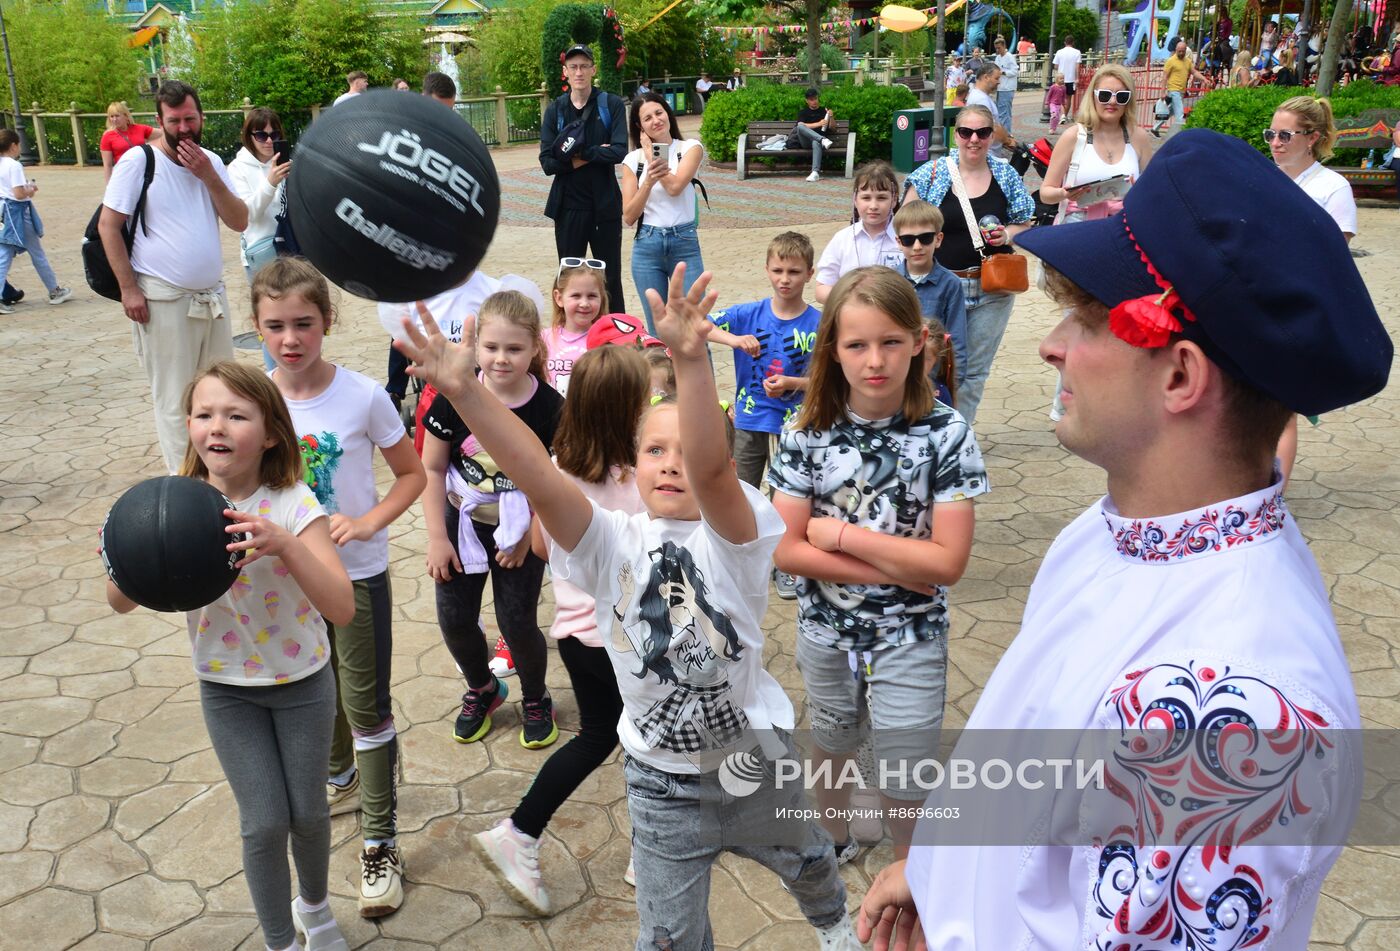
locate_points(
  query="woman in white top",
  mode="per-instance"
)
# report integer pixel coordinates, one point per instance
(657, 196)
(1299, 138)
(257, 179)
(1104, 142)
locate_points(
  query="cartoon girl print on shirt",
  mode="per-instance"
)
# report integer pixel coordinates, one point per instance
(687, 642)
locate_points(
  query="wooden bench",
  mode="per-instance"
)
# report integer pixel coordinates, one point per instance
(1377, 184)
(919, 87)
(842, 140)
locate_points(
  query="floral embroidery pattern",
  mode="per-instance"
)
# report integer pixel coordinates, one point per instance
(1207, 531)
(1206, 760)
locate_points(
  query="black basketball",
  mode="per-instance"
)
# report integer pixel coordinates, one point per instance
(393, 196)
(164, 544)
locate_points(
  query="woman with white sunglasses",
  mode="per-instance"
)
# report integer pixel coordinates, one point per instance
(1103, 143)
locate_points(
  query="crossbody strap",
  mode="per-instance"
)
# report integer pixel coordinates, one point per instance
(960, 191)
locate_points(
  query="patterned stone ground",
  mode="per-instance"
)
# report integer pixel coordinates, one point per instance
(117, 830)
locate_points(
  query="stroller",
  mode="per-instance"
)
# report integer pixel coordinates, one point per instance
(1037, 155)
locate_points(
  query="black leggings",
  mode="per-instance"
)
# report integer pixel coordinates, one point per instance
(517, 597)
(599, 706)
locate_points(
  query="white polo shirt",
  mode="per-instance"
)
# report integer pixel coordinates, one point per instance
(853, 247)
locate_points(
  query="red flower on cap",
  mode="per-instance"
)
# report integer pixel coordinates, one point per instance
(1148, 321)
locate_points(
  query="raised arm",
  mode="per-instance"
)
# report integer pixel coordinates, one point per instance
(684, 325)
(563, 510)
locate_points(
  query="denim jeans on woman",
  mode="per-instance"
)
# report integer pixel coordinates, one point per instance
(655, 254)
(987, 317)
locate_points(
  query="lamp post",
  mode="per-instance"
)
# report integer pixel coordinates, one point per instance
(26, 150)
(1049, 63)
(940, 54)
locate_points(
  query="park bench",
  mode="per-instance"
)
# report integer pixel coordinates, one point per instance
(925, 90)
(842, 140)
(1369, 130)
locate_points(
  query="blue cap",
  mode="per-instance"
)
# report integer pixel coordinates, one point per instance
(1277, 300)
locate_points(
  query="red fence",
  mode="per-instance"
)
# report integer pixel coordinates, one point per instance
(1149, 86)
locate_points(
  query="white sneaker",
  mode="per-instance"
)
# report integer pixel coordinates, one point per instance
(7, 308)
(317, 929)
(814, 176)
(826, 143)
(847, 851)
(60, 294)
(839, 937)
(343, 799)
(514, 857)
(786, 585)
(381, 881)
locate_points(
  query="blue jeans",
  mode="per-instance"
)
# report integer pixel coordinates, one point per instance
(680, 826)
(987, 317)
(36, 257)
(1004, 101)
(655, 254)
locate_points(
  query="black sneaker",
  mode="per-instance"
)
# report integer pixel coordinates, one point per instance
(12, 295)
(474, 722)
(539, 730)
(1155, 131)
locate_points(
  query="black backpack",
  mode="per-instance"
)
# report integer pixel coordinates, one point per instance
(96, 268)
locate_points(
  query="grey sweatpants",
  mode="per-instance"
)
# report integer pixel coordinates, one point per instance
(273, 744)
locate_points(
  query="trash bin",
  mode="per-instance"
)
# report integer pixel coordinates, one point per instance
(911, 143)
(677, 96)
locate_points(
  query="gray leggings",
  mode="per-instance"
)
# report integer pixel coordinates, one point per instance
(274, 744)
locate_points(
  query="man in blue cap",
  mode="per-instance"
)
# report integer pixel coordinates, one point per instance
(1183, 603)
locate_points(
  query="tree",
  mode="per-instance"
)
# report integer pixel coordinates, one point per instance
(289, 54)
(1332, 52)
(811, 13)
(70, 51)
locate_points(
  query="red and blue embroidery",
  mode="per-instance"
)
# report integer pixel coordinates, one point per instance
(1209, 530)
(1206, 760)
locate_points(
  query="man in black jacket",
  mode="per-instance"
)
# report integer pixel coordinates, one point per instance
(584, 200)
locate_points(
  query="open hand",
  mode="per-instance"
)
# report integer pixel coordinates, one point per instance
(449, 367)
(888, 914)
(682, 322)
(194, 159)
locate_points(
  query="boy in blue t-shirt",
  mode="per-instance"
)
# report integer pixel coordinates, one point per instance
(918, 227)
(772, 341)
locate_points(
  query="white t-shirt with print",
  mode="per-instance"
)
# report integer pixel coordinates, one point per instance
(664, 210)
(263, 631)
(562, 349)
(182, 247)
(338, 430)
(679, 611)
(11, 177)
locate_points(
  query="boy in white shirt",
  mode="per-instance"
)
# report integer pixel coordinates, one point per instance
(870, 238)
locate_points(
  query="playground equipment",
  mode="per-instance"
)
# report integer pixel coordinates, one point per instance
(978, 16)
(1141, 28)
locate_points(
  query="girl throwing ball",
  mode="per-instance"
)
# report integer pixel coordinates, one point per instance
(261, 651)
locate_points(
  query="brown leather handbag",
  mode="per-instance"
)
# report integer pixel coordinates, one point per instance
(1000, 273)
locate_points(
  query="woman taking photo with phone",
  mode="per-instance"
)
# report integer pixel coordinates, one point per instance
(258, 172)
(656, 196)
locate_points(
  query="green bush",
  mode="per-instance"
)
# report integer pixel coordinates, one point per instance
(828, 56)
(70, 51)
(869, 109)
(1246, 112)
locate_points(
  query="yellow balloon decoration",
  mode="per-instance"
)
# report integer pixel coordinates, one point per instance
(902, 19)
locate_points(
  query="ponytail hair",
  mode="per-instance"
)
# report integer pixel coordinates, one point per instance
(1314, 115)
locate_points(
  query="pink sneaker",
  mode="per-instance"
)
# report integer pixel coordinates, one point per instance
(514, 857)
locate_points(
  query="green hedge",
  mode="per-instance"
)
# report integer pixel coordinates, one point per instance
(869, 109)
(1246, 112)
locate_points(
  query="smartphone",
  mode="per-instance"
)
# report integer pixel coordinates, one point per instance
(283, 151)
(655, 151)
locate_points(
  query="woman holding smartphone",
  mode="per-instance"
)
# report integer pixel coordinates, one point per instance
(258, 172)
(657, 196)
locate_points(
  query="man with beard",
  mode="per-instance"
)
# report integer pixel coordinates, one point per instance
(172, 281)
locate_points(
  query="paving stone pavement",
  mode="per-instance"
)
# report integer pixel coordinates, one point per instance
(117, 829)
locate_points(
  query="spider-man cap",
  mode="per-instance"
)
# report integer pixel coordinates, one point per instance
(621, 330)
(1216, 243)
